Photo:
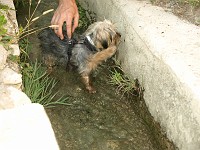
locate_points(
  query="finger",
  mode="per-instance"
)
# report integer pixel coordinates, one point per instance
(53, 20)
(75, 25)
(69, 26)
(59, 32)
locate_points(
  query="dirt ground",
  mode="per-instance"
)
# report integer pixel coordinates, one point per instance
(184, 10)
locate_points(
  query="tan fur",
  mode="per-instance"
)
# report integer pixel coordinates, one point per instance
(102, 55)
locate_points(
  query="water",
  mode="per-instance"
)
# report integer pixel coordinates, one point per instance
(101, 121)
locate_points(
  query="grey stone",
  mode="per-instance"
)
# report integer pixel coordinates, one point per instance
(14, 50)
(3, 57)
(11, 97)
(10, 77)
(26, 127)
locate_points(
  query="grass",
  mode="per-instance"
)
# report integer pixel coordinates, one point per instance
(39, 87)
(32, 6)
(84, 21)
(193, 3)
(37, 83)
(123, 83)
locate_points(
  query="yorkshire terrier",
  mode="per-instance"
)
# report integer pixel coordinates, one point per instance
(98, 43)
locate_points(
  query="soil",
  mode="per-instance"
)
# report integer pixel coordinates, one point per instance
(183, 9)
(102, 121)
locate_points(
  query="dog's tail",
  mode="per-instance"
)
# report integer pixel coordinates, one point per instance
(50, 42)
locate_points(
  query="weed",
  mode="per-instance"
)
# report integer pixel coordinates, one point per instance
(26, 30)
(194, 3)
(4, 7)
(25, 48)
(39, 87)
(3, 22)
(123, 83)
(37, 84)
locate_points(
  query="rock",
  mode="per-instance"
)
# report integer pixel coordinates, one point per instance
(10, 77)
(3, 57)
(26, 128)
(11, 97)
(14, 49)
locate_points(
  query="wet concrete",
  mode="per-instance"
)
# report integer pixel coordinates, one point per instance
(101, 121)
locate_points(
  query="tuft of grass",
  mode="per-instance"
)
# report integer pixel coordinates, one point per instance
(85, 19)
(40, 87)
(25, 48)
(195, 3)
(123, 83)
(27, 30)
(3, 22)
(4, 7)
(37, 84)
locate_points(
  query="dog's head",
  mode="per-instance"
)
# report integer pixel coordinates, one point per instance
(102, 34)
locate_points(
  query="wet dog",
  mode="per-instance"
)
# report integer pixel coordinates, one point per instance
(98, 43)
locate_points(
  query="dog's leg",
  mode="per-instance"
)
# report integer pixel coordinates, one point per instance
(86, 81)
(99, 57)
(93, 62)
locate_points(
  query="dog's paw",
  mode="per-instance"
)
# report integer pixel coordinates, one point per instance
(91, 90)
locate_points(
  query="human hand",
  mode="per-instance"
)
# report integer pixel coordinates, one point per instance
(67, 11)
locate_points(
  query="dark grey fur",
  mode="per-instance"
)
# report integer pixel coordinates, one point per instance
(63, 53)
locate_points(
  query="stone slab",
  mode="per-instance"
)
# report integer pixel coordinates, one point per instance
(26, 128)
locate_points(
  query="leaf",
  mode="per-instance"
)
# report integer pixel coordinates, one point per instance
(2, 31)
(6, 38)
(3, 20)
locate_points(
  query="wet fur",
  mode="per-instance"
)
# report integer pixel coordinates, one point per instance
(103, 35)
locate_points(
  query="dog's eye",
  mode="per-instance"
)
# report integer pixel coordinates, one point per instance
(104, 44)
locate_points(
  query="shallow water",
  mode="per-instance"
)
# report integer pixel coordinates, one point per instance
(101, 121)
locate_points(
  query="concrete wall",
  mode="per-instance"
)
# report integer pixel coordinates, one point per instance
(163, 52)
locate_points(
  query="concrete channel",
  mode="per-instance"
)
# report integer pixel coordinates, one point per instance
(161, 51)
(158, 49)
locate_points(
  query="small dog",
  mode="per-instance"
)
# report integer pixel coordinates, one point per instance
(98, 43)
